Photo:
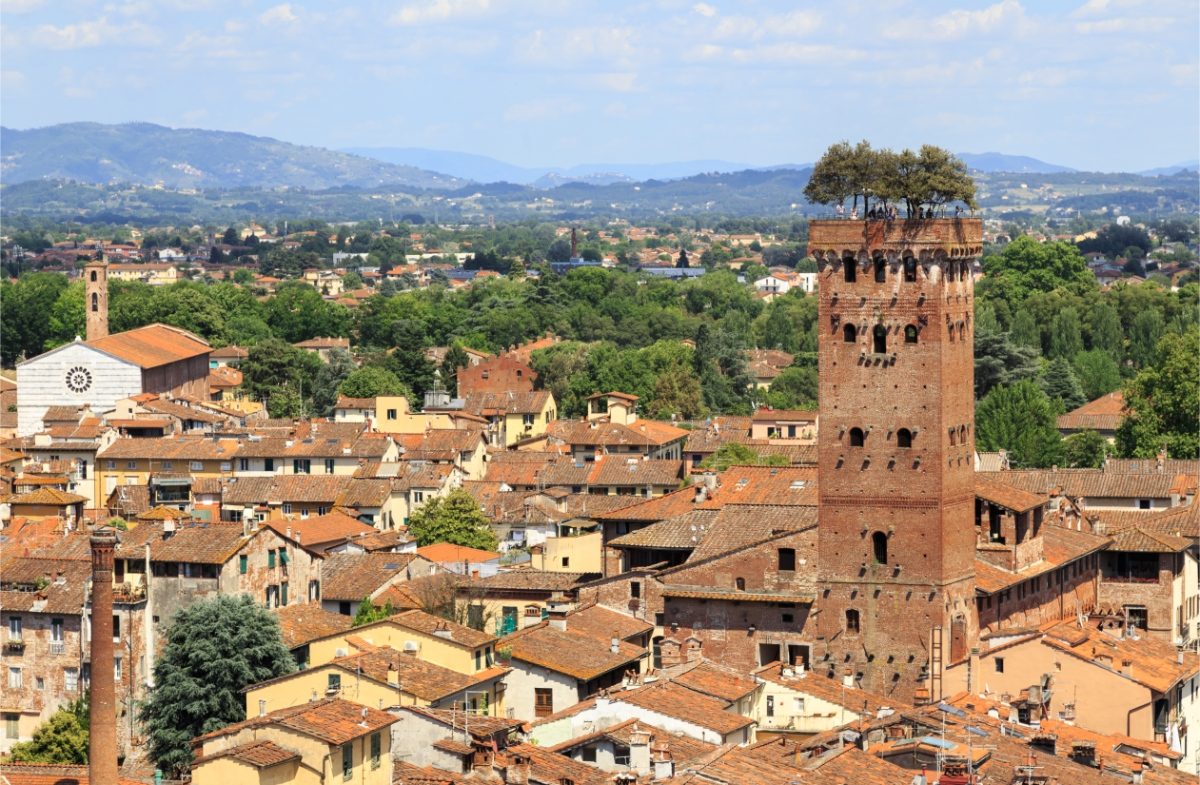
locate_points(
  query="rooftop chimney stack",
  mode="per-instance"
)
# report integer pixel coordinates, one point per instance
(102, 741)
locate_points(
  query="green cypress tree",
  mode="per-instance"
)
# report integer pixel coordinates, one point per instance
(1021, 419)
(214, 648)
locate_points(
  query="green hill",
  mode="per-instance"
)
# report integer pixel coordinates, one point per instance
(148, 154)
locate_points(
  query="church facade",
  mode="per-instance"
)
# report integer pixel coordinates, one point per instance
(105, 368)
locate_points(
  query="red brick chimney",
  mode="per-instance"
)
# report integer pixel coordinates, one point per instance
(102, 743)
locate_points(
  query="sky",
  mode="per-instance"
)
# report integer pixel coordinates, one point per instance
(1108, 85)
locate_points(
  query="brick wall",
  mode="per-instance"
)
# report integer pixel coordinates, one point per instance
(897, 543)
(720, 629)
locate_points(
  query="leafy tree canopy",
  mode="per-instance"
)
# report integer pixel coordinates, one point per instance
(455, 518)
(734, 454)
(370, 382)
(369, 612)
(1026, 266)
(1163, 400)
(931, 177)
(63, 738)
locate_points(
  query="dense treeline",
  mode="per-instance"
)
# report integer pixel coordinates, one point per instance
(1048, 339)
(1041, 318)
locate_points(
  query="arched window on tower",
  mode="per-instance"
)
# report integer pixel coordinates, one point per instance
(949, 272)
(850, 269)
(852, 622)
(95, 302)
(910, 270)
(850, 333)
(880, 339)
(904, 438)
(910, 334)
(93, 276)
(879, 548)
(857, 437)
(963, 269)
(962, 332)
(880, 270)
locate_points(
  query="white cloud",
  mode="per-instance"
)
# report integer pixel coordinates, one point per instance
(795, 53)
(96, 32)
(569, 46)
(1125, 24)
(19, 6)
(961, 23)
(704, 9)
(536, 111)
(279, 14)
(1097, 7)
(439, 11)
(618, 82)
(234, 26)
(793, 25)
(11, 80)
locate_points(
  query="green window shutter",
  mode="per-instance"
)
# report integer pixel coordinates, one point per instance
(283, 557)
(243, 564)
(270, 558)
(283, 594)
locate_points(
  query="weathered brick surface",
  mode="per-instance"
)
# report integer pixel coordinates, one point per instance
(919, 499)
(1157, 598)
(720, 629)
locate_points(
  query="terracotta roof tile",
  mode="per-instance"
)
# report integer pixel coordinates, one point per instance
(352, 576)
(575, 654)
(1152, 661)
(47, 497)
(1103, 414)
(426, 680)
(1096, 483)
(260, 754)
(429, 624)
(333, 721)
(1007, 496)
(307, 622)
(676, 700)
(1137, 539)
(152, 345)
(321, 530)
(603, 624)
(197, 543)
(276, 489)
(534, 580)
(480, 726)
(711, 678)
(1060, 546)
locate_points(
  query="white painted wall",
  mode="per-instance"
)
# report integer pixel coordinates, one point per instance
(42, 383)
(612, 711)
(525, 677)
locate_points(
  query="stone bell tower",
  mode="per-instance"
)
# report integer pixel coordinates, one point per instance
(895, 450)
(95, 277)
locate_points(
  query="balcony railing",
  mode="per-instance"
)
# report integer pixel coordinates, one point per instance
(57, 647)
(14, 645)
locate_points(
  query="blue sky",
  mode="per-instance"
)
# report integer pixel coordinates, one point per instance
(1094, 84)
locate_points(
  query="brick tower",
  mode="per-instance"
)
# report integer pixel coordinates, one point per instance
(895, 450)
(95, 277)
(102, 738)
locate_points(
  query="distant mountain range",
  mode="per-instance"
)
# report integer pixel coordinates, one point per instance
(148, 154)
